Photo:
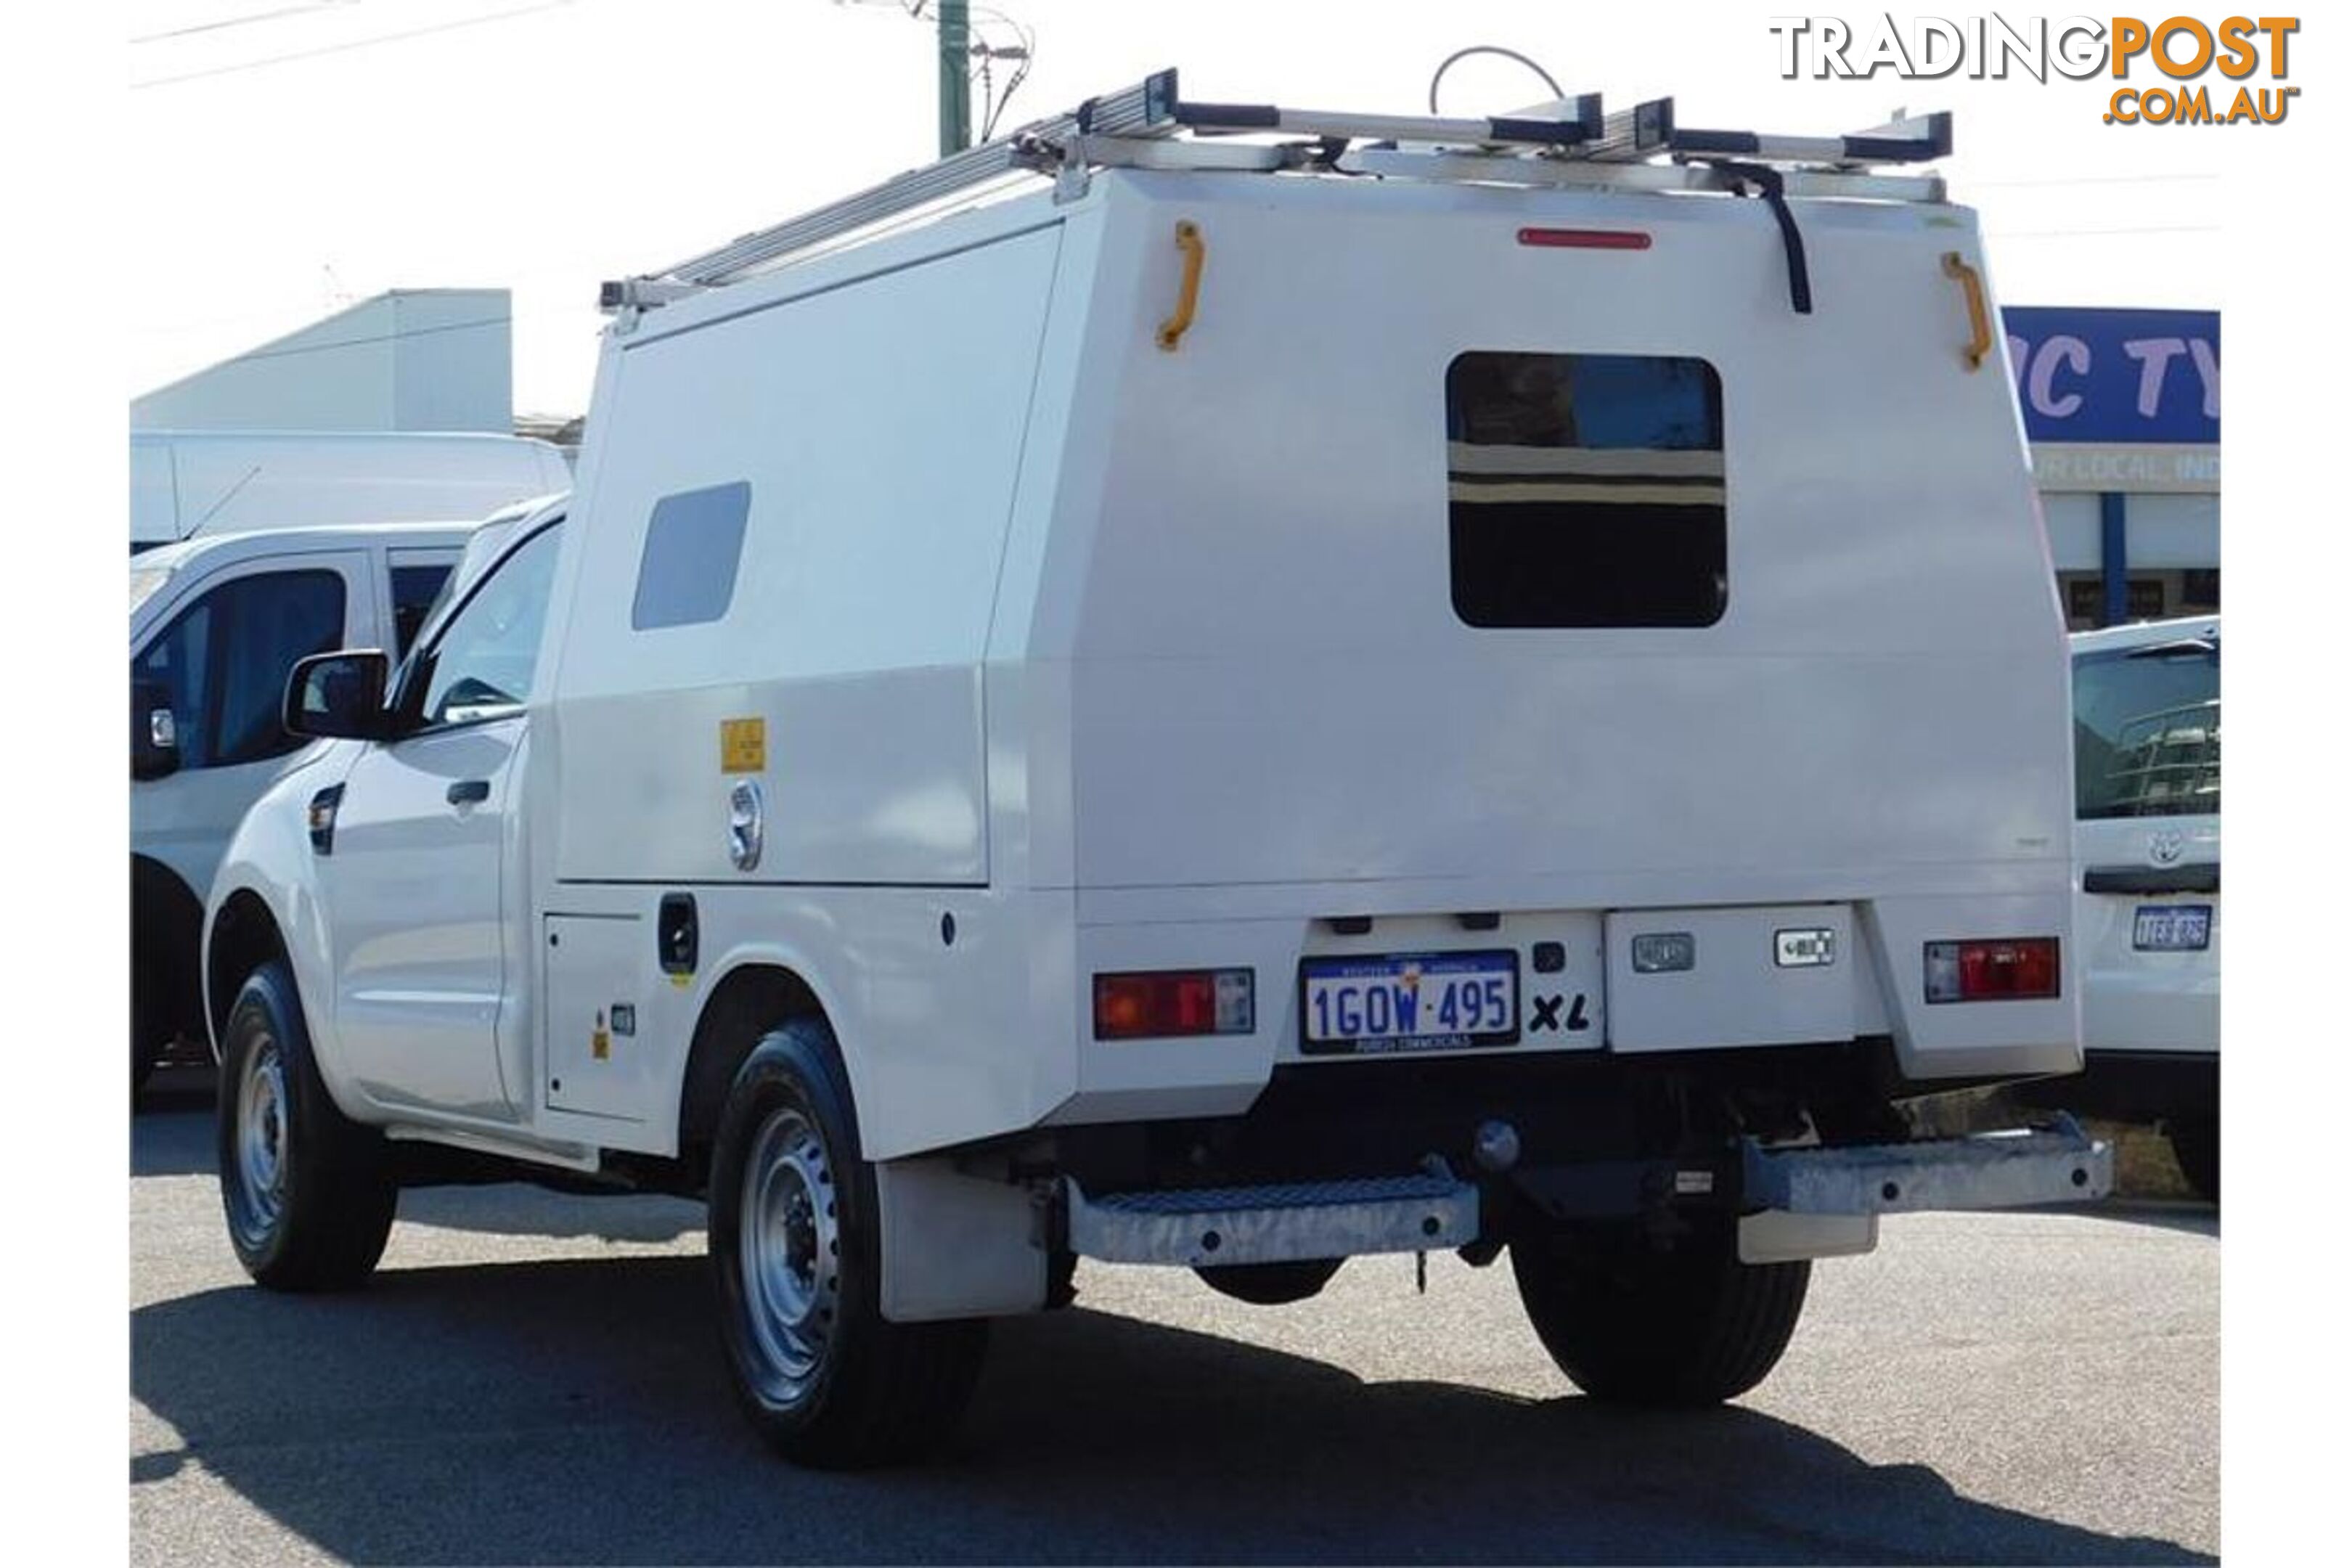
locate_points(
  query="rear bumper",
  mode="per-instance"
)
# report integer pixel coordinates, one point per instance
(1433, 1210)
(1991, 1170)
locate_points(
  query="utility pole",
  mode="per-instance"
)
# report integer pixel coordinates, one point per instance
(955, 77)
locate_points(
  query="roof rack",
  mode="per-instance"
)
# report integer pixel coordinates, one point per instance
(1570, 141)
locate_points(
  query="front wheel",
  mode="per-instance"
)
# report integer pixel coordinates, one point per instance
(795, 1252)
(308, 1193)
(1694, 1326)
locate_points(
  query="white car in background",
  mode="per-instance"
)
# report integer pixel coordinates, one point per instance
(2147, 908)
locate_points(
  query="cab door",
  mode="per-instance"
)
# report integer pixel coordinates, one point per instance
(220, 663)
(424, 855)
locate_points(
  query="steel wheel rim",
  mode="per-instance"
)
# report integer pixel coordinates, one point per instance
(260, 1145)
(790, 1253)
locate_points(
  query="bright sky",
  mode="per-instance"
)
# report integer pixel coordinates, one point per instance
(298, 156)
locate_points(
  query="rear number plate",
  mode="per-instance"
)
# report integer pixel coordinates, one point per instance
(1408, 1002)
(2172, 928)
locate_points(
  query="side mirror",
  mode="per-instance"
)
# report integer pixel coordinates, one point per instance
(154, 732)
(338, 696)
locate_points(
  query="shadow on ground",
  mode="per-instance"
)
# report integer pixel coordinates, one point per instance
(171, 1124)
(576, 1412)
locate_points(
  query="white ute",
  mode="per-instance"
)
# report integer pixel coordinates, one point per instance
(1414, 685)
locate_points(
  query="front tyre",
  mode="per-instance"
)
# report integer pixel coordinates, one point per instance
(795, 1252)
(1694, 1326)
(308, 1193)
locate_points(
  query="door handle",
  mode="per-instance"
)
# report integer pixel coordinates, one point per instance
(1971, 281)
(469, 792)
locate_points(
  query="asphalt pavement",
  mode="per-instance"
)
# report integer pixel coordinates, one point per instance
(533, 1378)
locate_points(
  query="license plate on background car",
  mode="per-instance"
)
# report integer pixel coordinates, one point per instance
(1408, 1002)
(2172, 928)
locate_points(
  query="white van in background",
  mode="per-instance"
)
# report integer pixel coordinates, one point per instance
(2148, 911)
(235, 481)
(216, 623)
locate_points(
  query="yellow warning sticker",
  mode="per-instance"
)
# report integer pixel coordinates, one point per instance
(600, 1042)
(742, 746)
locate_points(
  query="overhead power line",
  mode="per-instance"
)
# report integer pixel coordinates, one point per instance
(192, 28)
(396, 335)
(352, 44)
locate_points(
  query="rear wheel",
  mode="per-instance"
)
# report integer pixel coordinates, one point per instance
(795, 1252)
(2197, 1146)
(1270, 1284)
(1694, 1326)
(308, 1193)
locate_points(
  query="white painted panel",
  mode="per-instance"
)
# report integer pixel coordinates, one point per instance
(1954, 1039)
(1735, 992)
(879, 426)
(2168, 533)
(599, 1057)
(870, 777)
(1270, 683)
(414, 890)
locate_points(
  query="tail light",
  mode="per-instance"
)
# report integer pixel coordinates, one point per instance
(1992, 968)
(1175, 1001)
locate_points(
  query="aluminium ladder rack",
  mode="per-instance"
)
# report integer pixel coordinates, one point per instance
(1568, 143)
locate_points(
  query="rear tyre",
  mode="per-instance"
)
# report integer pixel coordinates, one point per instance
(308, 1193)
(1270, 1284)
(795, 1253)
(1691, 1327)
(2196, 1146)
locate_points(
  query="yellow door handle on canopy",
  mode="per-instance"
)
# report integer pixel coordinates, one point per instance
(1979, 318)
(1188, 292)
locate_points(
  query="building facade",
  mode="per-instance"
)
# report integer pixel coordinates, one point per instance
(415, 359)
(2123, 416)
